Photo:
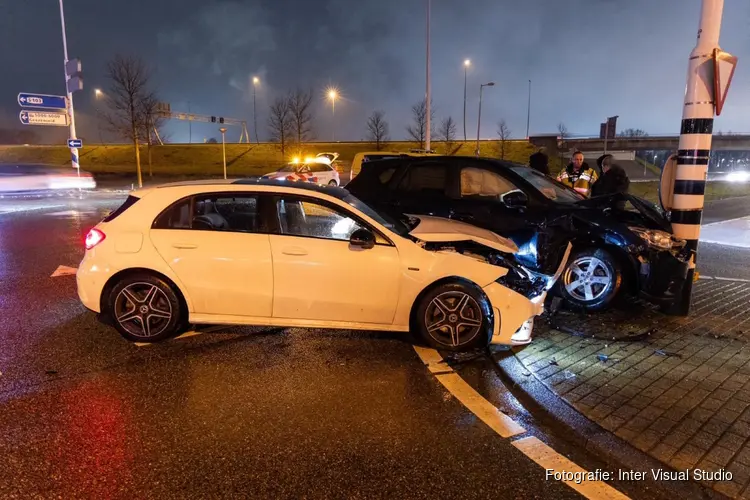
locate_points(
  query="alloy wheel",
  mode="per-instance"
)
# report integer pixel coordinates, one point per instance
(453, 318)
(587, 279)
(143, 310)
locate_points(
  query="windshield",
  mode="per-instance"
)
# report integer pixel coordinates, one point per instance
(550, 188)
(396, 226)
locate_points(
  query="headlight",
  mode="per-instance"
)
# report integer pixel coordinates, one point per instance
(654, 237)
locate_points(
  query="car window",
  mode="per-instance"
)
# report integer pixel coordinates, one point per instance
(429, 178)
(483, 183)
(304, 218)
(218, 212)
(549, 187)
(320, 168)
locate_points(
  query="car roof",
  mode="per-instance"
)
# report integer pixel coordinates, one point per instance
(453, 161)
(336, 192)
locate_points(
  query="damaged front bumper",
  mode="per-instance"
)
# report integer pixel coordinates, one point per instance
(662, 274)
(517, 301)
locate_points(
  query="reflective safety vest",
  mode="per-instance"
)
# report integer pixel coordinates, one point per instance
(581, 181)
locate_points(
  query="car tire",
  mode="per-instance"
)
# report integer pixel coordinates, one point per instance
(591, 288)
(333, 183)
(455, 316)
(145, 308)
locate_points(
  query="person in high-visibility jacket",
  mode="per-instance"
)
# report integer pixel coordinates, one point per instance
(578, 175)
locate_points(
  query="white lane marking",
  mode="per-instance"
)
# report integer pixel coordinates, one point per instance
(550, 460)
(471, 399)
(64, 271)
(13, 210)
(506, 427)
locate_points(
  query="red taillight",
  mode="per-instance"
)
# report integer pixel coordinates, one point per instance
(93, 238)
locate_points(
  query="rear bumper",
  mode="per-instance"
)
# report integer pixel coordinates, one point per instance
(90, 281)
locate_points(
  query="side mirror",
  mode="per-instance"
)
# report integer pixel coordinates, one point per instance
(362, 238)
(515, 199)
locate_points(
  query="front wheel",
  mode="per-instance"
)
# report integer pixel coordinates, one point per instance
(455, 316)
(592, 279)
(144, 308)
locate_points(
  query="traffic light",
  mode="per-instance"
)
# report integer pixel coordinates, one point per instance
(213, 119)
(221, 119)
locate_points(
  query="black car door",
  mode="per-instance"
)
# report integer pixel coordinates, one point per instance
(422, 188)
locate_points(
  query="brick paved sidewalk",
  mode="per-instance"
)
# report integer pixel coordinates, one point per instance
(681, 392)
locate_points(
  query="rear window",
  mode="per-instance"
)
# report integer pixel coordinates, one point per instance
(129, 202)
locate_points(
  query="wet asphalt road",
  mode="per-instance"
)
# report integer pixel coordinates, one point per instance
(282, 413)
(251, 413)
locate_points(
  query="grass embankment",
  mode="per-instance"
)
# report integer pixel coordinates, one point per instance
(242, 159)
(204, 160)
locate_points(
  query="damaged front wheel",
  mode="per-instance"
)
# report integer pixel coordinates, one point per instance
(591, 280)
(455, 317)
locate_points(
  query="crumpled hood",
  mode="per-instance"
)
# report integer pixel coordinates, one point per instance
(644, 207)
(438, 229)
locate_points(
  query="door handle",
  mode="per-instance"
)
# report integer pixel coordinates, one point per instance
(294, 251)
(185, 246)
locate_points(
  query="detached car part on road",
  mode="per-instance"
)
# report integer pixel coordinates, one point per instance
(278, 253)
(613, 247)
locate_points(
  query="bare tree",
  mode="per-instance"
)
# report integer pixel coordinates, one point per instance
(418, 130)
(300, 107)
(377, 129)
(447, 134)
(632, 132)
(562, 131)
(503, 131)
(129, 88)
(281, 122)
(153, 123)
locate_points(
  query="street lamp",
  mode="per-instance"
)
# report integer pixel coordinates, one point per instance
(97, 94)
(467, 63)
(479, 118)
(528, 112)
(224, 150)
(256, 81)
(332, 96)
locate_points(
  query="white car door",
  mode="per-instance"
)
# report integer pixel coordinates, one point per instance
(216, 248)
(318, 275)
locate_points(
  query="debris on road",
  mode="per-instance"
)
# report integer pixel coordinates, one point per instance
(662, 352)
(602, 357)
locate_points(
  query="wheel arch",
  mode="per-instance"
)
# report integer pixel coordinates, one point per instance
(115, 278)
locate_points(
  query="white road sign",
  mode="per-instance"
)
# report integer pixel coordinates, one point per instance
(43, 118)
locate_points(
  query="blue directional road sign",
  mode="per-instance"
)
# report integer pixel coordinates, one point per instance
(49, 118)
(75, 143)
(42, 101)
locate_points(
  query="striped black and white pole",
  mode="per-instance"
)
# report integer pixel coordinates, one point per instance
(695, 141)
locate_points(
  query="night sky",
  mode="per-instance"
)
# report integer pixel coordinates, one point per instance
(587, 59)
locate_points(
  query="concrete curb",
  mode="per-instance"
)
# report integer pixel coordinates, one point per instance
(536, 396)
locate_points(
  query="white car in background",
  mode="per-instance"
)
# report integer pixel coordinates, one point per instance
(255, 252)
(318, 170)
(18, 179)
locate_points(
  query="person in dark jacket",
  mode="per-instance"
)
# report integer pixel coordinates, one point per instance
(539, 162)
(613, 179)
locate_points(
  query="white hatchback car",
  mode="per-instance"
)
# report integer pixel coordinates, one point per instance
(318, 170)
(255, 252)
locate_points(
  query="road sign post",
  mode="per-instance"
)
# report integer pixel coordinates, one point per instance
(73, 82)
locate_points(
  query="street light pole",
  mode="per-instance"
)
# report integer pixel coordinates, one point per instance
(528, 112)
(71, 113)
(332, 95)
(428, 96)
(467, 63)
(224, 150)
(255, 117)
(190, 125)
(695, 142)
(479, 117)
